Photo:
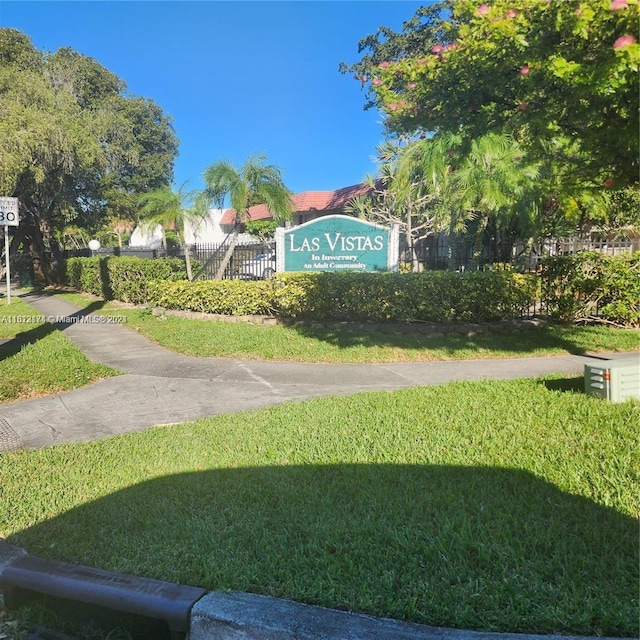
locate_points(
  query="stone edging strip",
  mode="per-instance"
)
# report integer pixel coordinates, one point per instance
(433, 329)
(232, 616)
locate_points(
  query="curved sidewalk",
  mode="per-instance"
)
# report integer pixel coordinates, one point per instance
(161, 387)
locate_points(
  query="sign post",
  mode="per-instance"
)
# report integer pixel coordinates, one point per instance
(8, 218)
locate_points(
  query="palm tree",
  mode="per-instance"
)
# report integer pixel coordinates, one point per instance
(397, 197)
(485, 181)
(170, 209)
(409, 190)
(494, 185)
(120, 226)
(423, 176)
(253, 183)
(448, 182)
(74, 236)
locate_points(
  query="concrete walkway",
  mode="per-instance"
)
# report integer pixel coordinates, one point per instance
(161, 387)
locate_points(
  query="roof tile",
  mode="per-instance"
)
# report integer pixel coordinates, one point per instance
(306, 201)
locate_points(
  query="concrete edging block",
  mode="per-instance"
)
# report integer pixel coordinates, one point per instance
(246, 616)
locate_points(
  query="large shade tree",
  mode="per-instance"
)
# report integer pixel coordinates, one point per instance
(75, 148)
(558, 75)
(255, 182)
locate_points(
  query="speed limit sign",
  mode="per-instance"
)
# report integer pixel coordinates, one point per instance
(8, 218)
(9, 212)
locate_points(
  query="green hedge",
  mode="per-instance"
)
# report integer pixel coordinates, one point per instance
(125, 279)
(90, 275)
(227, 297)
(131, 278)
(590, 284)
(393, 297)
(354, 297)
(359, 297)
(573, 288)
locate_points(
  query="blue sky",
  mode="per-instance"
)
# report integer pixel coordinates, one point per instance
(237, 77)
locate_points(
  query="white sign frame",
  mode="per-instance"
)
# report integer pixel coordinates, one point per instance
(9, 217)
(9, 213)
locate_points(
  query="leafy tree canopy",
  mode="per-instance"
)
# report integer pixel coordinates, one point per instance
(263, 229)
(74, 147)
(561, 76)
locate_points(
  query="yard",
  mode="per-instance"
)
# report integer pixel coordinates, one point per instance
(498, 505)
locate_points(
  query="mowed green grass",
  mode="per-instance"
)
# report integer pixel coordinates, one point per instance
(498, 505)
(37, 359)
(505, 506)
(351, 345)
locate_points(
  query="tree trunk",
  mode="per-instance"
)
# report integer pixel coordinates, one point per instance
(454, 248)
(187, 259)
(227, 256)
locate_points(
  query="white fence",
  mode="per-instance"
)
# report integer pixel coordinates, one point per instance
(611, 246)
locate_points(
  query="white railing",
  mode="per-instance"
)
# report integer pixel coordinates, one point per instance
(611, 246)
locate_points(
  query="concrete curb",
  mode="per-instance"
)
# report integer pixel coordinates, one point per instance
(247, 616)
(9, 553)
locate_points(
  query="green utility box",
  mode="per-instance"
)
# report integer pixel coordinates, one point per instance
(614, 380)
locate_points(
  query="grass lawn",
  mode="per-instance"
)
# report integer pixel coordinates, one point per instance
(344, 345)
(505, 506)
(36, 359)
(499, 506)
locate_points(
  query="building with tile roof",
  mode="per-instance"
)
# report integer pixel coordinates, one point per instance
(307, 205)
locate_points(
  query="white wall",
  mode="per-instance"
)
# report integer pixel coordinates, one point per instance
(206, 231)
(149, 239)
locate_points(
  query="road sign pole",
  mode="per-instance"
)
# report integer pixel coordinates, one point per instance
(9, 217)
(6, 258)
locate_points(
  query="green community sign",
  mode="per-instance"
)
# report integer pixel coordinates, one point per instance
(337, 243)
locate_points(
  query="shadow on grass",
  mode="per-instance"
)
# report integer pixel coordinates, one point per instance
(565, 385)
(53, 323)
(506, 341)
(469, 547)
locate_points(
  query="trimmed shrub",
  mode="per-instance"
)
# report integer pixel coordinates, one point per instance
(412, 297)
(124, 279)
(354, 297)
(90, 275)
(574, 288)
(593, 285)
(226, 297)
(359, 297)
(130, 278)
